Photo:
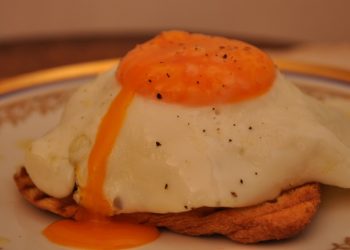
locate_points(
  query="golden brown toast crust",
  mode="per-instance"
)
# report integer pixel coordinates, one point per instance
(272, 220)
(64, 207)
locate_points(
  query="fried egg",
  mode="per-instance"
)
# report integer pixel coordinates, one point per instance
(188, 121)
(203, 120)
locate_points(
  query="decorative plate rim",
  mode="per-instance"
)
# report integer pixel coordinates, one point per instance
(73, 71)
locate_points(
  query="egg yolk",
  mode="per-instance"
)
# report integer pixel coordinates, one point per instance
(175, 67)
(194, 69)
(98, 232)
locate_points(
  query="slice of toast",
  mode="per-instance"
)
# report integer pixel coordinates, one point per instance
(281, 218)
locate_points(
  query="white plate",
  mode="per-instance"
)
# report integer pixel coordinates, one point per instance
(31, 104)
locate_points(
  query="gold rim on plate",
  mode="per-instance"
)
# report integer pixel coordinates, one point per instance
(73, 71)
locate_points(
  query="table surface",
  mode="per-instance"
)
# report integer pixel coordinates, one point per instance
(27, 56)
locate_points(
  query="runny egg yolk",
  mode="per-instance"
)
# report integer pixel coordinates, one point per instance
(100, 235)
(93, 231)
(175, 67)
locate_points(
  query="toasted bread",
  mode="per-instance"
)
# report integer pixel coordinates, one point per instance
(281, 218)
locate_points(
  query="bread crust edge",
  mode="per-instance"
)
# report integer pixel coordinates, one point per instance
(282, 218)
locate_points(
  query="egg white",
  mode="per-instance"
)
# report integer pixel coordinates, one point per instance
(230, 155)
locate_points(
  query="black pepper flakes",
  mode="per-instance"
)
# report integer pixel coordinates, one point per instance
(221, 47)
(186, 207)
(241, 181)
(224, 56)
(197, 82)
(234, 194)
(177, 116)
(159, 96)
(167, 74)
(204, 131)
(234, 124)
(166, 186)
(229, 140)
(256, 173)
(158, 144)
(250, 128)
(149, 81)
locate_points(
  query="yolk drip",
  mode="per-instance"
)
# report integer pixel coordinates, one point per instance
(91, 196)
(195, 69)
(99, 234)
